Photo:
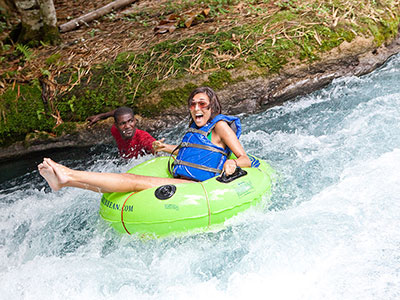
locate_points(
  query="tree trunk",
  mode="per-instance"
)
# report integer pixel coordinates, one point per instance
(48, 13)
(50, 31)
(8, 7)
(38, 22)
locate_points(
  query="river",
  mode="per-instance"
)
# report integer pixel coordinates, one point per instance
(331, 232)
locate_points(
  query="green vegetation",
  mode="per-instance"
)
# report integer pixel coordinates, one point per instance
(54, 59)
(3, 20)
(279, 32)
(21, 111)
(25, 51)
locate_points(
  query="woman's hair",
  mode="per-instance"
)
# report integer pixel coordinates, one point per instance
(215, 106)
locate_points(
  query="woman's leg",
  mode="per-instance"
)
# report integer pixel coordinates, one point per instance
(59, 176)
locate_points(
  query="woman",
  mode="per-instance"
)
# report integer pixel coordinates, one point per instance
(202, 155)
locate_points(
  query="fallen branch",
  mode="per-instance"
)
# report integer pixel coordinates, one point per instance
(75, 23)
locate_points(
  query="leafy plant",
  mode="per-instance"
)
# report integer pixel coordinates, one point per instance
(71, 103)
(25, 51)
(6, 47)
(40, 113)
(93, 32)
(45, 72)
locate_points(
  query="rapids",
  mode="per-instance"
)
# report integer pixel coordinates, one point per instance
(331, 232)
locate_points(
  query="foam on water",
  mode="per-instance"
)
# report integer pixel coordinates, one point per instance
(331, 232)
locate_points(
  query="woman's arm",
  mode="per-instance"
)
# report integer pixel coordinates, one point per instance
(161, 146)
(226, 136)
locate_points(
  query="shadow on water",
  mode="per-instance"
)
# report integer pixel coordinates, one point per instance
(24, 165)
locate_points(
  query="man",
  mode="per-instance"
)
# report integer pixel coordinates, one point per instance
(131, 141)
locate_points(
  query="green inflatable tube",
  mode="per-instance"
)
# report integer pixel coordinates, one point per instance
(178, 208)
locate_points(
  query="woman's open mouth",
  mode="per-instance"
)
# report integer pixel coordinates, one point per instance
(199, 116)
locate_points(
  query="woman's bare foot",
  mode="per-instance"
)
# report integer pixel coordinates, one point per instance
(48, 173)
(55, 174)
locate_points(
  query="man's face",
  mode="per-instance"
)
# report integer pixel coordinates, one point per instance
(126, 124)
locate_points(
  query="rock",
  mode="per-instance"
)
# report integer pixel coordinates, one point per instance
(40, 141)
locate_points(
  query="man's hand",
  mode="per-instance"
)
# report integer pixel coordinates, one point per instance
(93, 119)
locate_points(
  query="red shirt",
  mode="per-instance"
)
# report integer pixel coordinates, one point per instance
(139, 144)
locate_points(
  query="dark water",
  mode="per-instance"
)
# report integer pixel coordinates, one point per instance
(23, 165)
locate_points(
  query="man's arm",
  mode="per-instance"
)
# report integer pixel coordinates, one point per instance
(146, 140)
(95, 118)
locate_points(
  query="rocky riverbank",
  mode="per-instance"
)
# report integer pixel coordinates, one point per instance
(252, 95)
(150, 56)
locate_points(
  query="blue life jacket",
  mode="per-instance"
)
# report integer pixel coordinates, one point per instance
(198, 158)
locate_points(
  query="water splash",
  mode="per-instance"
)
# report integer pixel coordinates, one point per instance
(331, 232)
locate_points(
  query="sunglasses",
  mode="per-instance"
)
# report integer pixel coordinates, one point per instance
(201, 104)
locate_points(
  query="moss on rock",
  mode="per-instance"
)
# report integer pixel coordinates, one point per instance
(22, 111)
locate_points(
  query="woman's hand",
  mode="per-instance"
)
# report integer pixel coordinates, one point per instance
(159, 145)
(230, 167)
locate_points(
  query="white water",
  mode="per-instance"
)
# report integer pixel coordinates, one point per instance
(332, 231)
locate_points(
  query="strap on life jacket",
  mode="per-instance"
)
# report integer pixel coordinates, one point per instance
(201, 167)
(204, 147)
(206, 157)
(194, 130)
(169, 160)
